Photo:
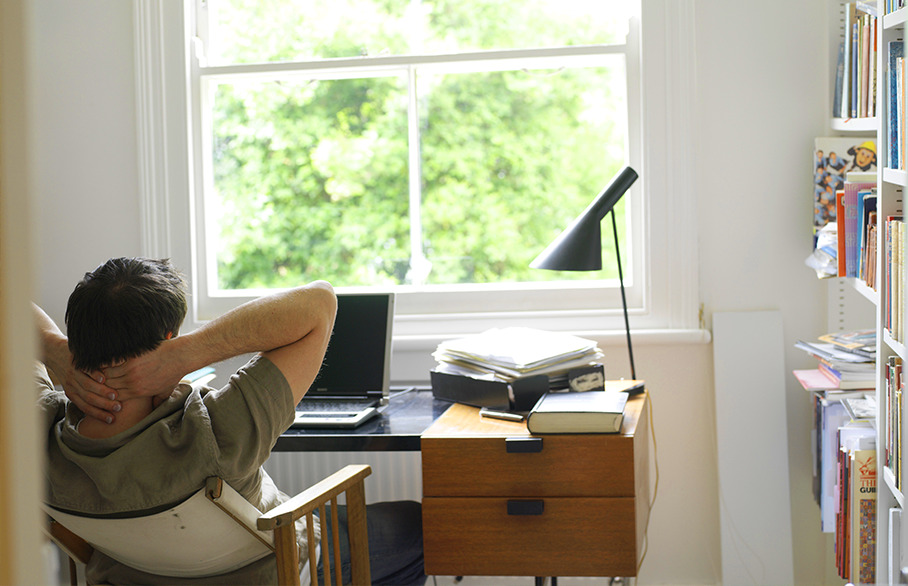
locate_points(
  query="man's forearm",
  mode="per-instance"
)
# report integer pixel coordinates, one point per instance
(54, 349)
(260, 325)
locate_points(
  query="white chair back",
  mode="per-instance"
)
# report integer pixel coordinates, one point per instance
(195, 538)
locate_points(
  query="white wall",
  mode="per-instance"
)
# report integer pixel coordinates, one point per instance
(762, 89)
(85, 137)
(763, 80)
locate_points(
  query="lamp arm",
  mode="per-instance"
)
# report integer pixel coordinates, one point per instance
(627, 325)
(608, 197)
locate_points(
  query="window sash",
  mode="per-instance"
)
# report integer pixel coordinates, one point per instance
(665, 296)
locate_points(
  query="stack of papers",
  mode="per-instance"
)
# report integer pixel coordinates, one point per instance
(504, 354)
(845, 360)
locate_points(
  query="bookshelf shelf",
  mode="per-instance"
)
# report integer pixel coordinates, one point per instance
(889, 480)
(895, 19)
(867, 292)
(854, 124)
(895, 177)
(897, 347)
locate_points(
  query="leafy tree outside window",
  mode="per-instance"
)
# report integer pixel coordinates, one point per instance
(406, 142)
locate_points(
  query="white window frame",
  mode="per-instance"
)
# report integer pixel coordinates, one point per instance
(665, 303)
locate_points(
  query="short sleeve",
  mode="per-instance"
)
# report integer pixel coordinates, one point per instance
(51, 402)
(247, 416)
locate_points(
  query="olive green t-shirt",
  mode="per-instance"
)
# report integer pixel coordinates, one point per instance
(165, 458)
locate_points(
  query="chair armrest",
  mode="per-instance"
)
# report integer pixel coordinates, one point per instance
(311, 498)
(72, 545)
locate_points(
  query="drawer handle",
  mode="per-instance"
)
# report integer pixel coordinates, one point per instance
(523, 445)
(525, 507)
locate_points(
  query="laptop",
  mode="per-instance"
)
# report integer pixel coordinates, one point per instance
(354, 379)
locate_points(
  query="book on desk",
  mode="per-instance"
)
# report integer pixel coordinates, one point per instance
(578, 412)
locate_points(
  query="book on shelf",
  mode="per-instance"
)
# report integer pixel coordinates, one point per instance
(895, 51)
(866, 250)
(895, 548)
(838, 356)
(863, 516)
(855, 90)
(890, 6)
(827, 378)
(893, 276)
(861, 408)
(856, 189)
(814, 380)
(892, 414)
(855, 484)
(839, 78)
(861, 342)
(578, 412)
(844, 377)
(841, 265)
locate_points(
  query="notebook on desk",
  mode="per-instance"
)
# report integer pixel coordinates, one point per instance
(355, 377)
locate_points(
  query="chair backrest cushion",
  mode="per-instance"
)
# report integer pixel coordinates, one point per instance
(195, 538)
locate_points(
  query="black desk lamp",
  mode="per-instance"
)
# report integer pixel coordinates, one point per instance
(579, 247)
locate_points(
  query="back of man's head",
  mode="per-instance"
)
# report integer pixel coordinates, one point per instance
(122, 309)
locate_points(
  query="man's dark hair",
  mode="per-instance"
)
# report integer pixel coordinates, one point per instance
(122, 309)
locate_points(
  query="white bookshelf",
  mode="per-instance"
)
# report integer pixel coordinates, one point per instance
(890, 551)
(851, 298)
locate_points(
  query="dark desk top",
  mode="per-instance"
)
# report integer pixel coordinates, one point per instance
(397, 428)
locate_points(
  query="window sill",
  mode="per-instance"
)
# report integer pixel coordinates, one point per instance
(653, 337)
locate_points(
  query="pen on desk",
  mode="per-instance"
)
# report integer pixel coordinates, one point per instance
(505, 415)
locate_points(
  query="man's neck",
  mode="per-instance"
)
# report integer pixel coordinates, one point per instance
(133, 411)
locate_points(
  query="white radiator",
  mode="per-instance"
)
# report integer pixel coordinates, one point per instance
(395, 475)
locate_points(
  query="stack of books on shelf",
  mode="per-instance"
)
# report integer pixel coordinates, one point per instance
(507, 354)
(893, 414)
(845, 474)
(845, 207)
(857, 227)
(845, 361)
(855, 90)
(890, 6)
(855, 536)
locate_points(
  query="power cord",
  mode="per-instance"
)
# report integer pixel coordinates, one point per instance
(652, 503)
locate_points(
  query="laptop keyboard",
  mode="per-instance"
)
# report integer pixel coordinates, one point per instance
(337, 408)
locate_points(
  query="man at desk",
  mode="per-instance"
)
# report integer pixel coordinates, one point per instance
(133, 439)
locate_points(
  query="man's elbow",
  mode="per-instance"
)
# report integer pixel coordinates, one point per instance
(326, 298)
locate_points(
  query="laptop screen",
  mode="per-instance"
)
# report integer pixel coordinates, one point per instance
(357, 362)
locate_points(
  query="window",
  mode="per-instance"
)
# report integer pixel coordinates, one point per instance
(431, 147)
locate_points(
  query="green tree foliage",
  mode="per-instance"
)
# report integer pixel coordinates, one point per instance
(311, 176)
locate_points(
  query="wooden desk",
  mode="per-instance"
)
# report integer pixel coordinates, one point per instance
(499, 501)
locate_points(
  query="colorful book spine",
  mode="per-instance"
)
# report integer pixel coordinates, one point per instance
(863, 517)
(895, 50)
(891, 298)
(855, 85)
(853, 206)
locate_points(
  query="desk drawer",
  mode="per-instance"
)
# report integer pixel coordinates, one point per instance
(568, 537)
(587, 465)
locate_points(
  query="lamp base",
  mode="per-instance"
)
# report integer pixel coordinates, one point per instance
(634, 387)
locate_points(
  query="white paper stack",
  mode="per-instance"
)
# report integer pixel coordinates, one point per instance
(508, 353)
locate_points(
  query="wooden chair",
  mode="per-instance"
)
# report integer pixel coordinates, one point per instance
(217, 531)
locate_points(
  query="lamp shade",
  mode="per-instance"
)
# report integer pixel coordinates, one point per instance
(579, 246)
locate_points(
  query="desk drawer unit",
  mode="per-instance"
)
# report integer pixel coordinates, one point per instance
(498, 501)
